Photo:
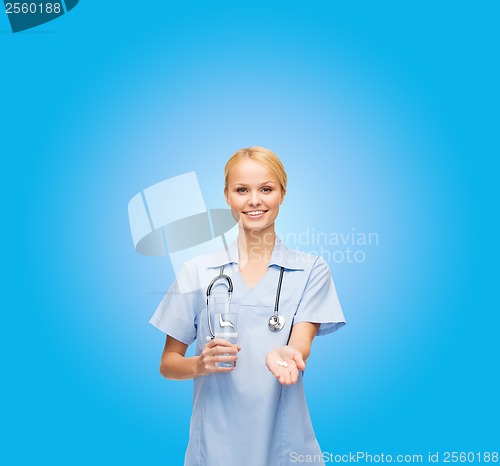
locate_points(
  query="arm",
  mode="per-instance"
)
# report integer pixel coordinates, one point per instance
(302, 337)
(294, 354)
(174, 364)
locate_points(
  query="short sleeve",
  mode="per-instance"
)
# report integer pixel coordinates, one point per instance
(176, 314)
(319, 302)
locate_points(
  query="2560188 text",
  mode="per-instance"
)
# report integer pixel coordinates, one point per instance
(33, 8)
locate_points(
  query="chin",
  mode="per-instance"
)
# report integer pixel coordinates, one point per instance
(256, 226)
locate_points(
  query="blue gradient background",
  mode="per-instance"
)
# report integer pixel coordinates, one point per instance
(386, 118)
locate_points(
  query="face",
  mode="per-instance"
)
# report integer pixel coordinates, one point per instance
(254, 194)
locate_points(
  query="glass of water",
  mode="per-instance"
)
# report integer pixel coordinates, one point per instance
(226, 327)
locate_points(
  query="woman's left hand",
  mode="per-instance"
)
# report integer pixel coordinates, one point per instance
(285, 362)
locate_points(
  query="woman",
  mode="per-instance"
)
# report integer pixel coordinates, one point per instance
(254, 413)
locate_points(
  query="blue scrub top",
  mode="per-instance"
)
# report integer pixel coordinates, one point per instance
(246, 417)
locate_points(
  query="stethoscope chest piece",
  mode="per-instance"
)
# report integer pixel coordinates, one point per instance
(276, 323)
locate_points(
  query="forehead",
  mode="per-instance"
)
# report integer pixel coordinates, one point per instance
(249, 171)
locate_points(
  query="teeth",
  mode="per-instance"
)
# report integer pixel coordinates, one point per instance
(255, 212)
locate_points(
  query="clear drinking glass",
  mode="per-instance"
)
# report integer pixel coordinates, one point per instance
(225, 325)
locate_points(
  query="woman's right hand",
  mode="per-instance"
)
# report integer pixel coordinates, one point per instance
(217, 350)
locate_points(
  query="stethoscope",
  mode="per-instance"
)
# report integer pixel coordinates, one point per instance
(275, 322)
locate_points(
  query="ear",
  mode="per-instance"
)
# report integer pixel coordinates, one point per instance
(283, 193)
(226, 196)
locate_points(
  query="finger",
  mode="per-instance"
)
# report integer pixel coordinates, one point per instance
(211, 343)
(299, 361)
(288, 377)
(219, 370)
(294, 372)
(213, 364)
(224, 358)
(279, 373)
(276, 371)
(220, 342)
(224, 349)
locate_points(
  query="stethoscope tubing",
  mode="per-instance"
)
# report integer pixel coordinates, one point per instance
(276, 322)
(209, 292)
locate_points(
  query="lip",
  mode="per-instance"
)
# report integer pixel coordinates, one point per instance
(263, 212)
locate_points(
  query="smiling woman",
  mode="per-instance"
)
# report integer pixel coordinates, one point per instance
(255, 412)
(254, 189)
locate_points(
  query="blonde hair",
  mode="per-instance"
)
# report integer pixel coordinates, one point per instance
(263, 156)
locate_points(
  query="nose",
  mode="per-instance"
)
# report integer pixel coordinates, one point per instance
(254, 199)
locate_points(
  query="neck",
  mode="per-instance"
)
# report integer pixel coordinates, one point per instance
(256, 246)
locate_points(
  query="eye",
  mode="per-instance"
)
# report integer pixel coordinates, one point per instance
(241, 190)
(266, 189)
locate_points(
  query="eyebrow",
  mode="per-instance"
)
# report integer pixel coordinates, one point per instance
(261, 184)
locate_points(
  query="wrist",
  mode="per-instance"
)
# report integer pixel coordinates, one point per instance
(302, 347)
(196, 369)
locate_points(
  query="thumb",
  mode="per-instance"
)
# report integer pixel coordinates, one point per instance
(299, 360)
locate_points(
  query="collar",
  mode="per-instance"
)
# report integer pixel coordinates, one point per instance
(281, 256)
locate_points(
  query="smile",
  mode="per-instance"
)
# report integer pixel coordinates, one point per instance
(255, 213)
